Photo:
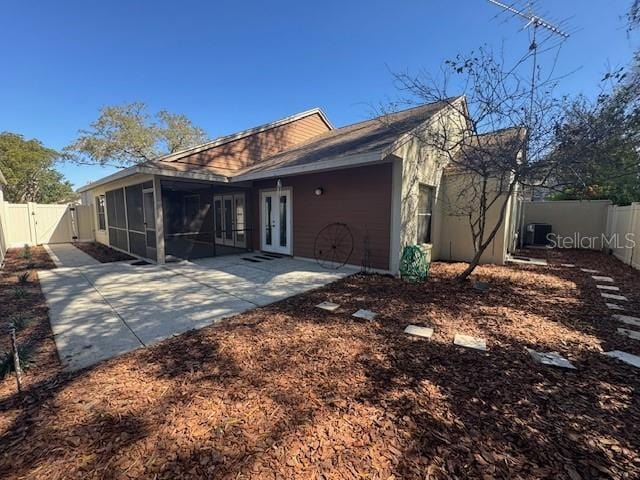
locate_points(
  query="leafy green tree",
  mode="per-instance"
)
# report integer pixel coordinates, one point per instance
(127, 134)
(596, 150)
(597, 145)
(28, 167)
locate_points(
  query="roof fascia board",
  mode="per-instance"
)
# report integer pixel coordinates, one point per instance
(127, 172)
(195, 175)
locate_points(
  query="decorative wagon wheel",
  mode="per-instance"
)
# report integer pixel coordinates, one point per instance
(333, 246)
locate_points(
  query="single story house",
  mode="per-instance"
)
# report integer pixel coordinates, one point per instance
(297, 186)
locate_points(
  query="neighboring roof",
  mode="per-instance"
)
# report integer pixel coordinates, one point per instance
(504, 141)
(3, 181)
(361, 142)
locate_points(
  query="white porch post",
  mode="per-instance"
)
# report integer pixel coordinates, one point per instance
(157, 196)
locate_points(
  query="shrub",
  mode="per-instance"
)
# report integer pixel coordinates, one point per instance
(26, 252)
(6, 361)
(23, 278)
(19, 292)
(20, 320)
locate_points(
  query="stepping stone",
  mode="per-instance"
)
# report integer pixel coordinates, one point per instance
(613, 296)
(589, 270)
(553, 359)
(625, 357)
(613, 306)
(419, 331)
(629, 333)
(328, 306)
(567, 265)
(611, 288)
(635, 321)
(599, 278)
(365, 314)
(481, 286)
(470, 342)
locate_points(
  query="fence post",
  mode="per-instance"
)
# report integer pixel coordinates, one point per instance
(633, 228)
(33, 228)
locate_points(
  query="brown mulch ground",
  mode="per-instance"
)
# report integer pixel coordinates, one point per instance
(102, 253)
(289, 391)
(22, 303)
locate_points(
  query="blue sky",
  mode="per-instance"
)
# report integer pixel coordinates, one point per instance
(230, 65)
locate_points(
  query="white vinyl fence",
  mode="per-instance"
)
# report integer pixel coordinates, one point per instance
(36, 224)
(623, 232)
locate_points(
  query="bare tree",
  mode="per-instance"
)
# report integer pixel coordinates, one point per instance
(494, 137)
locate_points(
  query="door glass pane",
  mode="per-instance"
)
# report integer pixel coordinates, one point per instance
(149, 211)
(239, 211)
(228, 219)
(217, 214)
(283, 220)
(267, 217)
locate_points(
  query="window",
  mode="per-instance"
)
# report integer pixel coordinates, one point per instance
(102, 223)
(425, 210)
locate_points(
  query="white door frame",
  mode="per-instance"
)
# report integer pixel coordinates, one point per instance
(275, 238)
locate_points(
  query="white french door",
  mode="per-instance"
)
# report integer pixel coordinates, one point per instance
(275, 221)
(229, 220)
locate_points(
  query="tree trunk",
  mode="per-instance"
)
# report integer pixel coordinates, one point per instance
(472, 265)
(482, 246)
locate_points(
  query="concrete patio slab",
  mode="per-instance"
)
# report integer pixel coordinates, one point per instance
(629, 333)
(98, 311)
(625, 357)
(553, 359)
(526, 261)
(613, 296)
(328, 306)
(470, 342)
(613, 306)
(67, 255)
(599, 278)
(611, 288)
(365, 315)
(425, 332)
(629, 320)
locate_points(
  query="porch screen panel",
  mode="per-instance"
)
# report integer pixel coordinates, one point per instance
(135, 214)
(138, 243)
(116, 219)
(135, 218)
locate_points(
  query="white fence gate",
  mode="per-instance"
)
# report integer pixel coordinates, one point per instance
(623, 228)
(35, 224)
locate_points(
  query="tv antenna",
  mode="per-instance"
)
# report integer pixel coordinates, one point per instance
(532, 19)
(537, 22)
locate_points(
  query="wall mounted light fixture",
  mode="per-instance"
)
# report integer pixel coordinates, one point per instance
(318, 191)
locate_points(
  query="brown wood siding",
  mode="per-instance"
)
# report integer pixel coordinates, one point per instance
(246, 151)
(359, 197)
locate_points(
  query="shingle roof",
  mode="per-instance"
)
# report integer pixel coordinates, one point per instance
(504, 143)
(370, 136)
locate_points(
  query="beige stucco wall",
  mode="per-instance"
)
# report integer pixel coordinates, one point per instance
(416, 163)
(88, 198)
(456, 241)
(570, 219)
